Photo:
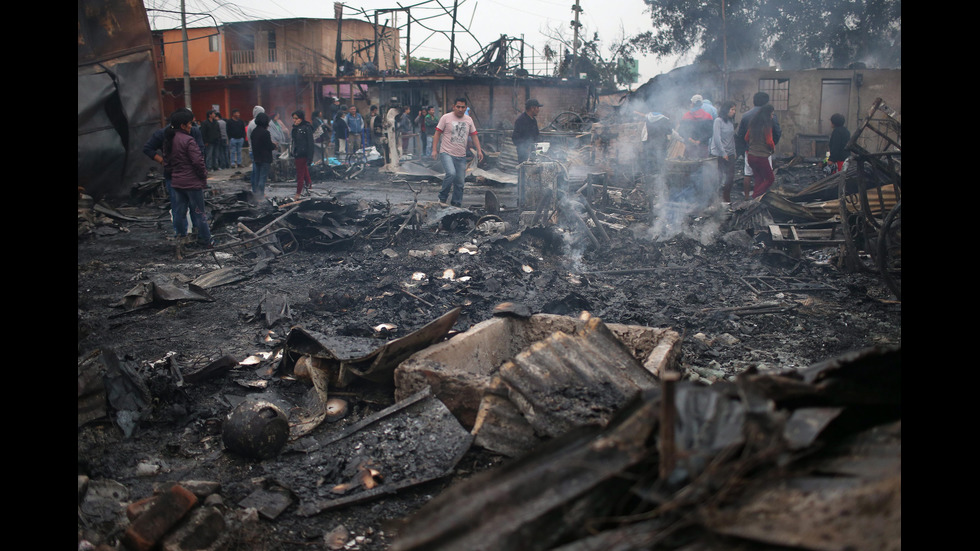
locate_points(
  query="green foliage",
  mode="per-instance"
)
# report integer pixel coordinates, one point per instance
(422, 65)
(794, 34)
(608, 75)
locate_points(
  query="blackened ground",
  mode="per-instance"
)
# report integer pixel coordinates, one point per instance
(699, 287)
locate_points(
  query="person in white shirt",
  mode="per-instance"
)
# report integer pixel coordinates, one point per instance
(449, 146)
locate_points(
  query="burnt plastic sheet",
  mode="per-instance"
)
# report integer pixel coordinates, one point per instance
(162, 289)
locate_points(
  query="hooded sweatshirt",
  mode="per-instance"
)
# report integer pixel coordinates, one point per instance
(251, 124)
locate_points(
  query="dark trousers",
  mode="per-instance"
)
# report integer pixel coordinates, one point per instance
(726, 177)
(302, 175)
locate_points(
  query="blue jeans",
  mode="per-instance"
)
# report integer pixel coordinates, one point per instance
(455, 168)
(175, 212)
(235, 152)
(194, 200)
(260, 172)
(427, 146)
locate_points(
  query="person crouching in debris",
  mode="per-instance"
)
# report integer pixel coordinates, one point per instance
(262, 147)
(453, 131)
(188, 175)
(302, 143)
(526, 132)
(723, 148)
(839, 137)
(760, 146)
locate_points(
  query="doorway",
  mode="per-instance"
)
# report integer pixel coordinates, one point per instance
(835, 97)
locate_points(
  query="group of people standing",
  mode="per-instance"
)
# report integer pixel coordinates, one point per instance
(708, 132)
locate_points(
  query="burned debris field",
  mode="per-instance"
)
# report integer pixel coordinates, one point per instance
(576, 364)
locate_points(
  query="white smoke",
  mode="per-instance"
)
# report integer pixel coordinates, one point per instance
(575, 239)
(685, 204)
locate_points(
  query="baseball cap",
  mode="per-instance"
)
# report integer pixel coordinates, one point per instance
(532, 103)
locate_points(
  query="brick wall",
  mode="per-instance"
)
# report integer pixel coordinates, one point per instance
(509, 98)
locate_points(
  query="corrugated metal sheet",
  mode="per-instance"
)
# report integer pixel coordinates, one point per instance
(118, 95)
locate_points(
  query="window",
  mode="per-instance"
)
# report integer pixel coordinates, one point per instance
(247, 42)
(213, 43)
(272, 45)
(778, 90)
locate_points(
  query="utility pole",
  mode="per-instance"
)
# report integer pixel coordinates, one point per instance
(338, 14)
(575, 26)
(724, 47)
(187, 63)
(377, 40)
(452, 39)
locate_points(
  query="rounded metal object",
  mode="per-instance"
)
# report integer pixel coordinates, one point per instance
(336, 409)
(256, 429)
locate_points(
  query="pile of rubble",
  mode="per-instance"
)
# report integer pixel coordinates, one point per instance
(576, 366)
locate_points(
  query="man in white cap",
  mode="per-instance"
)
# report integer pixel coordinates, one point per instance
(696, 127)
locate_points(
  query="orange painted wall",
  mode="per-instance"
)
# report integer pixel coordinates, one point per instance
(203, 62)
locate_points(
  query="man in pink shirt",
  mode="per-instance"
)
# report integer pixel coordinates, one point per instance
(451, 134)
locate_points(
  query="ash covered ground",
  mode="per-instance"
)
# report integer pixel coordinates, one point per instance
(698, 282)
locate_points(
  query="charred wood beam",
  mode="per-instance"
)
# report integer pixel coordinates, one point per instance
(595, 218)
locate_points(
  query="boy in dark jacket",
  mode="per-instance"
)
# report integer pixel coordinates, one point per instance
(302, 142)
(262, 148)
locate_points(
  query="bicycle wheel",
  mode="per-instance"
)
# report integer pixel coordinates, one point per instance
(356, 161)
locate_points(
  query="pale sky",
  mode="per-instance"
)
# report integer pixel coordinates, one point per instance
(486, 20)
